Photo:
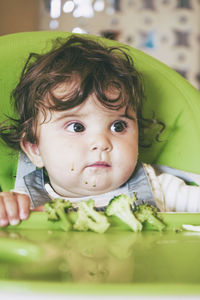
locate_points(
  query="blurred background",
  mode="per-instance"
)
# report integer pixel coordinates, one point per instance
(168, 30)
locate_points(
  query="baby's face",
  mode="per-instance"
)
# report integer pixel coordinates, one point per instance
(89, 149)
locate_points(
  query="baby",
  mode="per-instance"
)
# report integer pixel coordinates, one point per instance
(80, 123)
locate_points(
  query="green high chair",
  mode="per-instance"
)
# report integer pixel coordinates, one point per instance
(39, 259)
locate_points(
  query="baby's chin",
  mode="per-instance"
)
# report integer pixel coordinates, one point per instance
(89, 186)
(95, 188)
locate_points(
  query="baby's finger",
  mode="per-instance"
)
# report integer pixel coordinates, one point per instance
(23, 205)
(3, 215)
(11, 207)
(39, 208)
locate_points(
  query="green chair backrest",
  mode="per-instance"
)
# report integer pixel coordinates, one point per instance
(173, 100)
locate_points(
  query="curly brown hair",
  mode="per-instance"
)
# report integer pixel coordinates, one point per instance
(97, 67)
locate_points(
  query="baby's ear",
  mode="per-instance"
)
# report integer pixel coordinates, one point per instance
(33, 153)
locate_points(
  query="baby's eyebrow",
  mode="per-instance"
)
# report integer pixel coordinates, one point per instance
(67, 115)
(128, 117)
(82, 115)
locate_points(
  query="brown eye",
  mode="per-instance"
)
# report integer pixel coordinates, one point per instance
(118, 126)
(75, 127)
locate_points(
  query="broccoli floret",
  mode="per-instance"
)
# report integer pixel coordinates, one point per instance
(56, 210)
(145, 212)
(120, 206)
(89, 219)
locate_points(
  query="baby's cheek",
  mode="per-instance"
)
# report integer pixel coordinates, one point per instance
(127, 167)
(126, 173)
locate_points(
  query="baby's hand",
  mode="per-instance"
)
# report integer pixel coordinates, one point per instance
(13, 208)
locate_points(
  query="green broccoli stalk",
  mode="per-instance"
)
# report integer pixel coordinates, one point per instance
(145, 212)
(120, 206)
(90, 219)
(56, 211)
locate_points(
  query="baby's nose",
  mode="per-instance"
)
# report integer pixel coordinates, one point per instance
(101, 143)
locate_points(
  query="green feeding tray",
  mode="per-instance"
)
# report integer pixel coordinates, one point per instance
(37, 256)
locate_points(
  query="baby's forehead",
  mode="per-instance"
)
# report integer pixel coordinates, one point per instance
(91, 106)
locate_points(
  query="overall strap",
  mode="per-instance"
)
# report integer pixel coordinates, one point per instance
(32, 180)
(24, 167)
(35, 182)
(140, 185)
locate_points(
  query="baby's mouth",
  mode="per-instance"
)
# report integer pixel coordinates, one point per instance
(99, 164)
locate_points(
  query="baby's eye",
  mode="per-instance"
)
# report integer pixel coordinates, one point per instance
(75, 127)
(118, 126)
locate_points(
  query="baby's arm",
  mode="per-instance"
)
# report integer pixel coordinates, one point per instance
(172, 193)
(13, 208)
(179, 196)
